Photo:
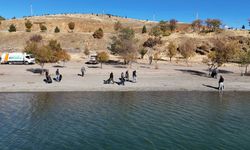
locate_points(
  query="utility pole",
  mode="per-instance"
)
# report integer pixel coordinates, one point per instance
(31, 10)
(197, 16)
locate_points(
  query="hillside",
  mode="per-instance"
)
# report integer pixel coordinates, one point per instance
(85, 25)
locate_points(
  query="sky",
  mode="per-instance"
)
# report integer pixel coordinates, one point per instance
(232, 13)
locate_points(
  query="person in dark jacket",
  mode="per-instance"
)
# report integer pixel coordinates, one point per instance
(127, 76)
(83, 71)
(134, 76)
(221, 83)
(111, 77)
(47, 77)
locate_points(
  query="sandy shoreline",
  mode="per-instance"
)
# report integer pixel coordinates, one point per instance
(169, 77)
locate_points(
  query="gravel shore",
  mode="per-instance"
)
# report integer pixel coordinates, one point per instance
(169, 77)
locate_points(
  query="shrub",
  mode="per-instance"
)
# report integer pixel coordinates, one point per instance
(172, 25)
(151, 42)
(166, 33)
(43, 28)
(98, 34)
(71, 26)
(28, 25)
(172, 50)
(144, 29)
(86, 51)
(118, 26)
(36, 38)
(57, 30)
(12, 28)
(156, 31)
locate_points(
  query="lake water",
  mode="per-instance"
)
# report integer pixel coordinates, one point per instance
(125, 121)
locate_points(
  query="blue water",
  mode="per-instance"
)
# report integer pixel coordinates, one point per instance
(125, 121)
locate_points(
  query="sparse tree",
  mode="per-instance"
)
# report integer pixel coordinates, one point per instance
(103, 57)
(57, 30)
(118, 26)
(12, 28)
(244, 60)
(157, 57)
(28, 25)
(173, 25)
(63, 56)
(50, 53)
(223, 52)
(144, 29)
(196, 25)
(213, 24)
(98, 34)
(71, 26)
(187, 49)
(156, 31)
(172, 50)
(125, 45)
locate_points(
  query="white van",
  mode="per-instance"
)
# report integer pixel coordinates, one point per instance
(8, 58)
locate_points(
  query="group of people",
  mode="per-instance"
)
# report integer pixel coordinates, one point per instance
(48, 78)
(122, 79)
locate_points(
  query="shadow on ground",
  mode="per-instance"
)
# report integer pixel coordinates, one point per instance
(37, 70)
(93, 66)
(193, 72)
(209, 86)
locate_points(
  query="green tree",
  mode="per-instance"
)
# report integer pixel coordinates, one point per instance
(71, 26)
(103, 57)
(144, 29)
(2, 18)
(118, 26)
(172, 25)
(172, 50)
(57, 30)
(163, 25)
(12, 28)
(43, 28)
(213, 24)
(98, 34)
(143, 52)
(28, 25)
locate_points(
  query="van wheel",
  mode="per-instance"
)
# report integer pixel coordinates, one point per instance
(26, 63)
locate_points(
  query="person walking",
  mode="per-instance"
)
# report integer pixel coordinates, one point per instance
(83, 71)
(221, 83)
(122, 79)
(134, 76)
